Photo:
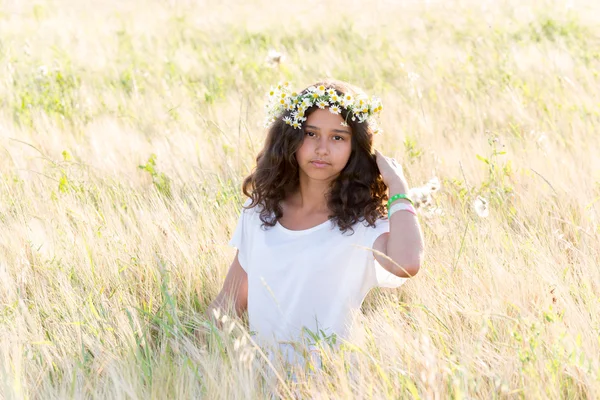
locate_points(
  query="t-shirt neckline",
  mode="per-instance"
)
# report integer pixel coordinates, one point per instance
(302, 231)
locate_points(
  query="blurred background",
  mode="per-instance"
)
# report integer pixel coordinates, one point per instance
(126, 128)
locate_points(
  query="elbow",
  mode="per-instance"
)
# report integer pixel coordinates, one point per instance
(408, 270)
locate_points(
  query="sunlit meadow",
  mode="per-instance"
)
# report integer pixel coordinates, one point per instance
(126, 128)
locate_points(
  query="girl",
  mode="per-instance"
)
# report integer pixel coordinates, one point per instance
(313, 237)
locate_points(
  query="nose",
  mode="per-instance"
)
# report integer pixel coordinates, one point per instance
(322, 148)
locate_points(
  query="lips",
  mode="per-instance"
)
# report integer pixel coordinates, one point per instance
(319, 163)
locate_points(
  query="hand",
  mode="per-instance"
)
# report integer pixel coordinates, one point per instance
(391, 173)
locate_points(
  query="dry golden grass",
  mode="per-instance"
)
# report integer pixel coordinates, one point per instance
(106, 268)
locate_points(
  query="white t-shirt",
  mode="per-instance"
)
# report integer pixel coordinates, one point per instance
(315, 278)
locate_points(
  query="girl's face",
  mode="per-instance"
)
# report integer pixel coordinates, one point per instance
(326, 147)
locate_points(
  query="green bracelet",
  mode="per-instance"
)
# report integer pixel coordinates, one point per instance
(397, 197)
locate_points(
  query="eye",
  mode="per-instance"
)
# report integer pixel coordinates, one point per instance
(338, 138)
(310, 134)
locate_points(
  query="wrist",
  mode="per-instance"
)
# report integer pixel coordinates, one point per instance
(398, 187)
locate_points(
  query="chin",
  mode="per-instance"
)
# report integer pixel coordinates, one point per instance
(322, 175)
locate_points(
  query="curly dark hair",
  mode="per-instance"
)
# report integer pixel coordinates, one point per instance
(357, 194)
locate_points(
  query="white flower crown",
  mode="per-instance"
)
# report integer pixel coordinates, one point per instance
(361, 107)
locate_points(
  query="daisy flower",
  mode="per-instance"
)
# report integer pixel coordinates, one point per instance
(322, 104)
(314, 95)
(335, 109)
(321, 90)
(298, 114)
(360, 102)
(296, 125)
(331, 92)
(287, 120)
(334, 97)
(348, 98)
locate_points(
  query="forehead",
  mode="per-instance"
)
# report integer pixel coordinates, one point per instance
(324, 119)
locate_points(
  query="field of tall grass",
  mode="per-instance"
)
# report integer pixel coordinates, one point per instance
(126, 128)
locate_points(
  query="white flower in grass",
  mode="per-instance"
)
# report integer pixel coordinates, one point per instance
(481, 207)
(434, 184)
(420, 196)
(413, 77)
(322, 104)
(335, 109)
(274, 58)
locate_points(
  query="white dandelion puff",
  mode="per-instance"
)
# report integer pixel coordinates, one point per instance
(274, 58)
(481, 207)
(434, 184)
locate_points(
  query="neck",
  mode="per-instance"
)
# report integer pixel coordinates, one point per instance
(311, 195)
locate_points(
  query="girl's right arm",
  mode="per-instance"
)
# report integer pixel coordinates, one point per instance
(234, 292)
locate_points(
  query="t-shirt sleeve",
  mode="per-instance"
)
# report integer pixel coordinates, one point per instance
(240, 239)
(380, 277)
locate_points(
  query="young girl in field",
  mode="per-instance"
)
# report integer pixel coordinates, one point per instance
(314, 235)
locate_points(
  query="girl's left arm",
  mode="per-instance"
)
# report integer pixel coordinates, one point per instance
(403, 245)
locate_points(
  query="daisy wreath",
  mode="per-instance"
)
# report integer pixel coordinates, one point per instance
(294, 105)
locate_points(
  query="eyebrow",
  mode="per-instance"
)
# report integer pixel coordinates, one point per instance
(334, 130)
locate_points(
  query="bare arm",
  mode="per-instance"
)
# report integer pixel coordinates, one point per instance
(403, 244)
(234, 293)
